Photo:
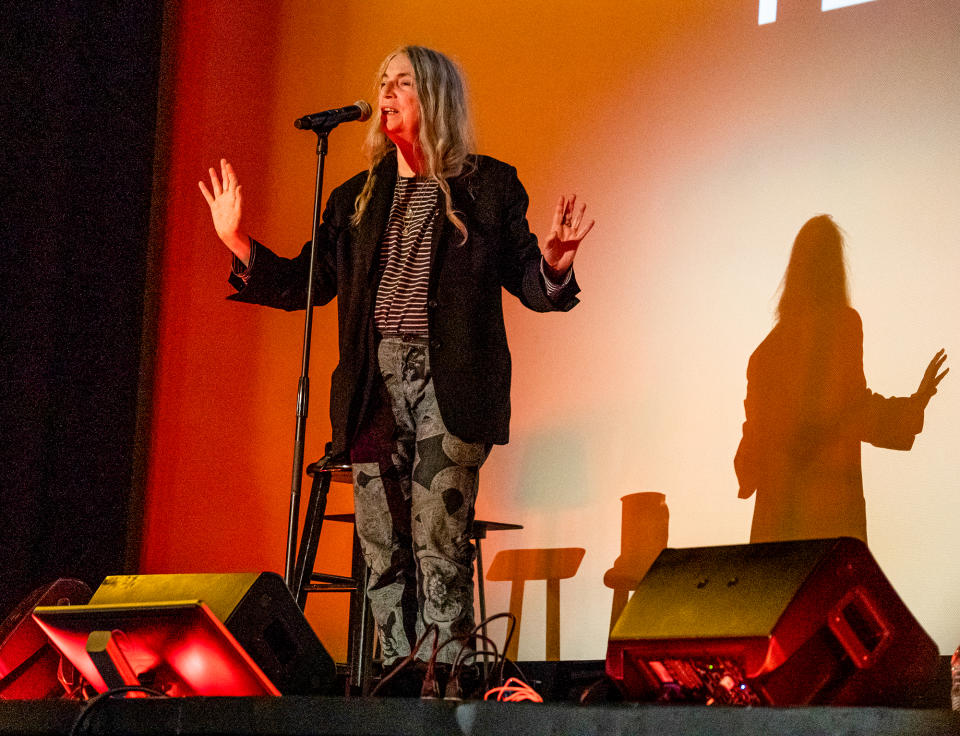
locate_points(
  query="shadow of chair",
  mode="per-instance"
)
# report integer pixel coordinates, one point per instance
(644, 527)
(520, 565)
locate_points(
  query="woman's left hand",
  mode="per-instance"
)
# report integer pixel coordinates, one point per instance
(566, 232)
(932, 377)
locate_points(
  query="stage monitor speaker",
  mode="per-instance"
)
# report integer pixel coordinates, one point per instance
(781, 623)
(256, 608)
(30, 667)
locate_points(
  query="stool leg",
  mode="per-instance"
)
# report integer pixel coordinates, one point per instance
(483, 606)
(310, 538)
(361, 630)
(516, 608)
(553, 619)
(368, 631)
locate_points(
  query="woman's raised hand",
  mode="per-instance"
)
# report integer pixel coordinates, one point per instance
(226, 206)
(932, 376)
(567, 230)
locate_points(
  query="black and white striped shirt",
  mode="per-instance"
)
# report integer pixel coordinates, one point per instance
(401, 306)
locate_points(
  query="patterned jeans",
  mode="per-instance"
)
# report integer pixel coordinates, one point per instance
(415, 486)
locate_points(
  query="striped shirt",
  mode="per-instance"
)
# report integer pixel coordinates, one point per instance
(401, 306)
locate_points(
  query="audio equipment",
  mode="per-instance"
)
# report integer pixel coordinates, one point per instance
(245, 623)
(780, 623)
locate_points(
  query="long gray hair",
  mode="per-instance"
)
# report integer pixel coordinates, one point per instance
(446, 140)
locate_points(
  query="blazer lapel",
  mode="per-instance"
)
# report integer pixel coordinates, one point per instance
(462, 194)
(371, 228)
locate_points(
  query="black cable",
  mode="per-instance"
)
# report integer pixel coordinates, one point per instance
(431, 629)
(430, 685)
(430, 688)
(453, 689)
(468, 652)
(92, 704)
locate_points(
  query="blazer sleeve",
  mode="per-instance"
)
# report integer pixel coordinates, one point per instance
(520, 256)
(279, 282)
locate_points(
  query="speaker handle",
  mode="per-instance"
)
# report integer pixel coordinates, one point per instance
(857, 602)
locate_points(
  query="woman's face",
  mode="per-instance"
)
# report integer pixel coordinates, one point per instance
(399, 104)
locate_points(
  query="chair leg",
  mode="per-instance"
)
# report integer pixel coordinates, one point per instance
(484, 665)
(368, 643)
(516, 608)
(310, 537)
(360, 634)
(553, 619)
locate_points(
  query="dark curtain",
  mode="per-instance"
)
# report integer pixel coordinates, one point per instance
(80, 83)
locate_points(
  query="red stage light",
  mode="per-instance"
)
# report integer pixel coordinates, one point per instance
(179, 647)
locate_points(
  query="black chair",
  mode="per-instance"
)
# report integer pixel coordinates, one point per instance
(360, 632)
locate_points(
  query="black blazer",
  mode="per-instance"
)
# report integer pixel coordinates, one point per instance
(469, 356)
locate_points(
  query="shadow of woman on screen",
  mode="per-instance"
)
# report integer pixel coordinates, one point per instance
(808, 407)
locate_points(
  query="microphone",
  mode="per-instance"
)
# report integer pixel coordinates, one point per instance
(330, 119)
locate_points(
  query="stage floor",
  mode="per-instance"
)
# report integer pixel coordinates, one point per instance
(560, 683)
(291, 715)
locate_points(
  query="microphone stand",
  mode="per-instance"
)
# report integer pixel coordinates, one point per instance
(303, 387)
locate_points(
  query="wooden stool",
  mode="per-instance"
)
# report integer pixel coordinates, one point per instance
(552, 565)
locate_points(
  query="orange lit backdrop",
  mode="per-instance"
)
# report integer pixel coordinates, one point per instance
(701, 141)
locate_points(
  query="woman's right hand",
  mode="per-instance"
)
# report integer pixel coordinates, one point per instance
(226, 206)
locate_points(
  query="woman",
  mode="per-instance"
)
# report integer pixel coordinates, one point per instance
(416, 250)
(808, 406)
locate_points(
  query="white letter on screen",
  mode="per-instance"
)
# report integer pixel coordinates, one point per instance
(768, 8)
(768, 12)
(834, 4)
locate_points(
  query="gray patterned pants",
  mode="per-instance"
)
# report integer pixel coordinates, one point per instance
(415, 486)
